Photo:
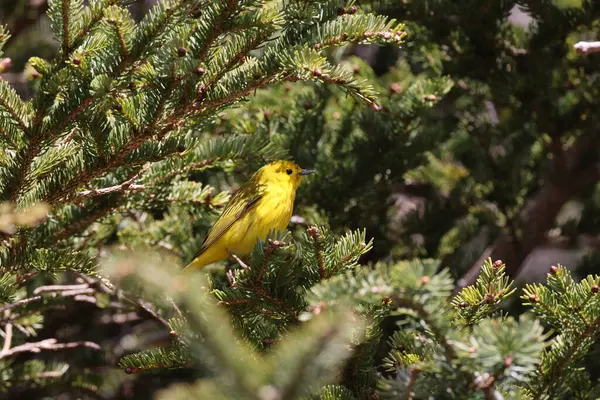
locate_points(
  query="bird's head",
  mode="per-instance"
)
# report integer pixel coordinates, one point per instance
(282, 173)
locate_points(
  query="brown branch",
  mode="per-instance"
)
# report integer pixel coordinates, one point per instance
(51, 291)
(315, 234)
(125, 186)
(85, 176)
(124, 50)
(146, 307)
(411, 382)
(57, 288)
(20, 303)
(7, 339)
(139, 303)
(238, 260)
(65, 22)
(47, 344)
(587, 47)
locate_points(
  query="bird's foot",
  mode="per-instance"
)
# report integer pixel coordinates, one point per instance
(238, 260)
(231, 278)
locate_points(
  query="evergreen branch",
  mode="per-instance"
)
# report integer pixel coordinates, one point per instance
(550, 378)
(83, 223)
(235, 95)
(450, 353)
(61, 288)
(73, 114)
(148, 309)
(153, 24)
(50, 291)
(85, 176)
(574, 338)
(272, 246)
(215, 30)
(128, 185)
(362, 28)
(123, 187)
(413, 374)
(474, 303)
(19, 303)
(63, 195)
(31, 151)
(190, 167)
(7, 339)
(47, 344)
(10, 101)
(587, 47)
(33, 148)
(315, 234)
(153, 359)
(28, 153)
(121, 39)
(309, 65)
(10, 138)
(234, 60)
(405, 302)
(138, 303)
(96, 13)
(65, 28)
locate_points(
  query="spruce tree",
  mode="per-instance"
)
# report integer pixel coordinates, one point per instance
(142, 123)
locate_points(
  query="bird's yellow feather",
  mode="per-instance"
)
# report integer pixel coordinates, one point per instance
(262, 204)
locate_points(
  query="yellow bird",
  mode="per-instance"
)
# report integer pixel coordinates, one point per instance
(264, 203)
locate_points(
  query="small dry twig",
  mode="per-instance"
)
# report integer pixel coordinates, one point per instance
(46, 344)
(587, 47)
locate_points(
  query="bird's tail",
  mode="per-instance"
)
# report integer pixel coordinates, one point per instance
(202, 260)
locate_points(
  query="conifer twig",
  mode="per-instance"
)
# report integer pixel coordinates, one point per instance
(20, 303)
(314, 233)
(7, 339)
(54, 288)
(65, 21)
(489, 391)
(549, 382)
(144, 306)
(125, 186)
(128, 185)
(238, 260)
(411, 382)
(47, 344)
(51, 291)
(587, 47)
(120, 294)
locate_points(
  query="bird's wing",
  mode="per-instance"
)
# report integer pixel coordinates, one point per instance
(235, 210)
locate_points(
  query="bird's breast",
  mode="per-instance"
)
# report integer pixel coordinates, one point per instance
(276, 210)
(273, 212)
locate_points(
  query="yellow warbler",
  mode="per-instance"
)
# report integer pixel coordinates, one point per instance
(264, 203)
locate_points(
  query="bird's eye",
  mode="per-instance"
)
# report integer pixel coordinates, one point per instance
(289, 171)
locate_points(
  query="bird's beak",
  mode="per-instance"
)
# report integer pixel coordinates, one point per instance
(307, 171)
